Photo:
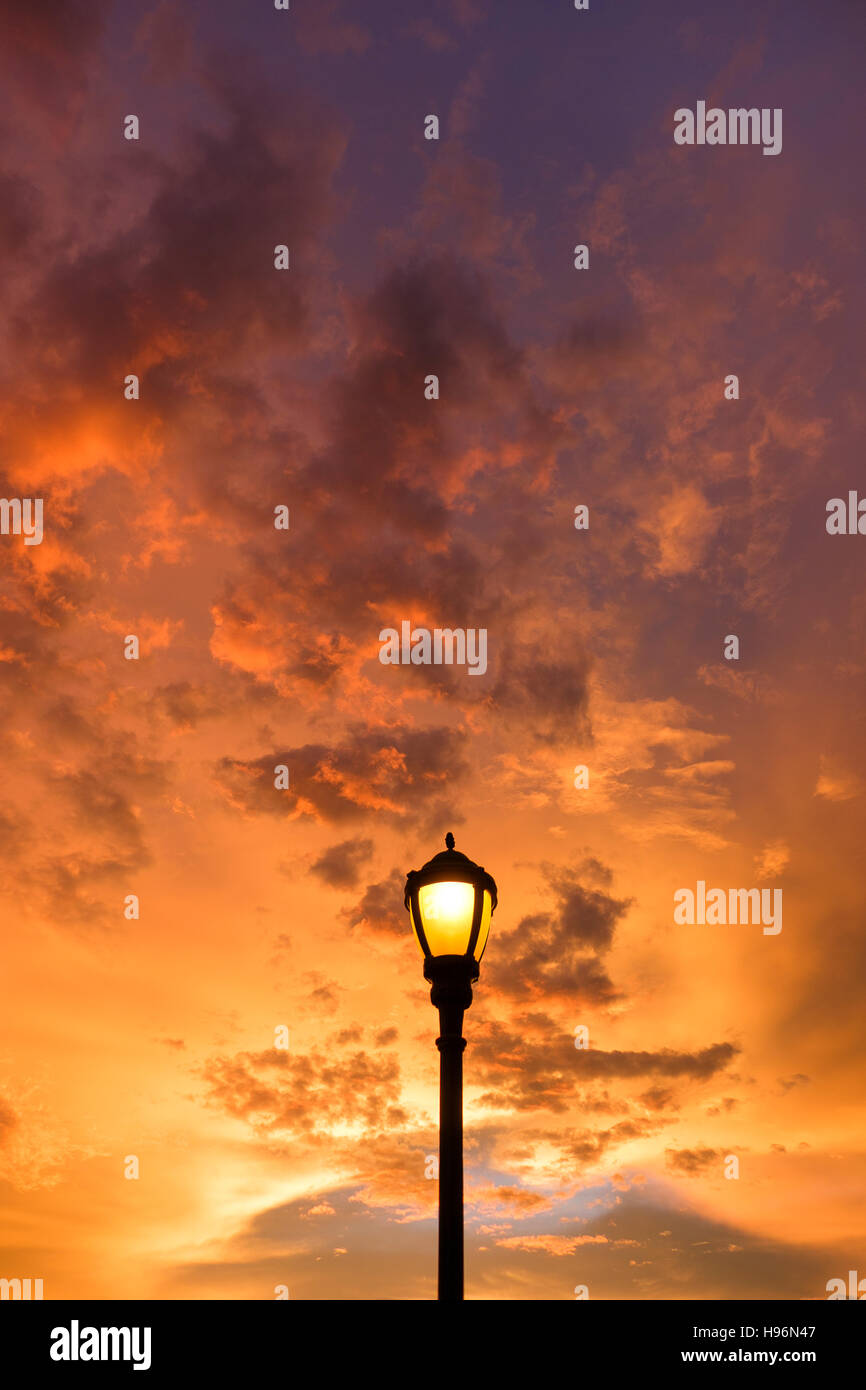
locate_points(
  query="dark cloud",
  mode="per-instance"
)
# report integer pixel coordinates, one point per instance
(549, 695)
(596, 348)
(213, 223)
(325, 29)
(302, 1094)
(20, 214)
(89, 843)
(657, 1098)
(12, 832)
(589, 1146)
(725, 1104)
(183, 704)
(694, 1161)
(788, 1083)
(389, 525)
(68, 30)
(695, 1065)
(434, 315)
(324, 996)
(558, 952)
(382, 1037)
(358, 1248)
(8, 1120)
(340, 866)
(381, 908)
(82, 890)
(101, 805)
(540, 1068)
(518, 1200)
(45, 53)
(399, 773)
(348, 1250)
(165, 33)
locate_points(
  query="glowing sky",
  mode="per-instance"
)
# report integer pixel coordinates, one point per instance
(264, 908)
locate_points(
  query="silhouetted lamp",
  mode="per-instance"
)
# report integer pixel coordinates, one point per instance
(451, 901)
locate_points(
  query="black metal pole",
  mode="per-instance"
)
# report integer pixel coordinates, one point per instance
(451, 978)
(451, 1043)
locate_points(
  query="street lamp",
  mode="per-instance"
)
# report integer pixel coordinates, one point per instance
(450, 902)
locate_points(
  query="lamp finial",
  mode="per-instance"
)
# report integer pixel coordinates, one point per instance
(449, 841)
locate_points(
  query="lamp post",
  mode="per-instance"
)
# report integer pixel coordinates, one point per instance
(450, 902)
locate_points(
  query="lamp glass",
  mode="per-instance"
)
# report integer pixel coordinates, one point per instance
(484, 928)
(446, 914)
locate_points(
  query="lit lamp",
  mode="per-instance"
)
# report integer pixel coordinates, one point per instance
(450, 902)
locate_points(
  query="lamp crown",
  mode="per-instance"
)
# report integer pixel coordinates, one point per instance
(450, 865)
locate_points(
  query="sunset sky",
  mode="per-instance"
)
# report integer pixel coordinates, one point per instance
(263, 908)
